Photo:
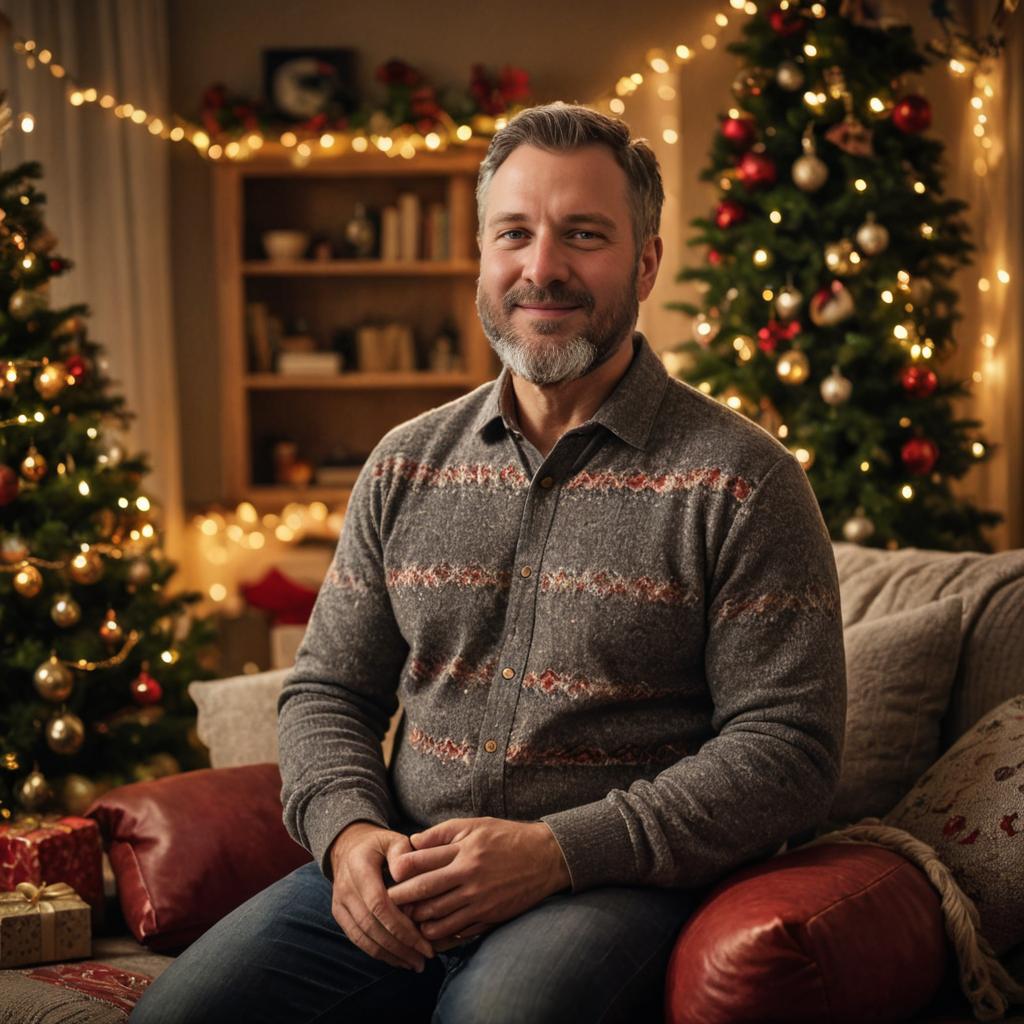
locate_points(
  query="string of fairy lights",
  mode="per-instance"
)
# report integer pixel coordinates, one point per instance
(247, 530)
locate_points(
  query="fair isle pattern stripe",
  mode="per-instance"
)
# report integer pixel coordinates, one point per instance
(472, 474)
(812, 599)
(644, 589)
(433, 577)
(662, 483)
(429, 670)
(444, 748)
(574, 686)
(594, 756)
(343, 579)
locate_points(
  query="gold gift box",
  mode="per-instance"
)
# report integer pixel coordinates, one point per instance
(43, 923)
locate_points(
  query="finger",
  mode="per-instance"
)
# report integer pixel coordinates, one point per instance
(470, 933)
(439, 834)
(395, 851)
(425, 886)
(359, 938)
(434, 910)
(408, 865)
(383, 921)
(367, 921)
(459, 923)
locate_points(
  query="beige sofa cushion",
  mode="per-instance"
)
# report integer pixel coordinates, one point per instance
(875, 583)
(899, 670)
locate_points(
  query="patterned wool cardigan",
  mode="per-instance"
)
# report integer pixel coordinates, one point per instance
(640, 644)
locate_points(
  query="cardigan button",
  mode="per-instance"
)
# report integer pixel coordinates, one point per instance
(490, 746)
(508, 673)
(547, 483)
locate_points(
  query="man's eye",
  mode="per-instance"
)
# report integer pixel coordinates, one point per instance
(586, 236)
(517, 232)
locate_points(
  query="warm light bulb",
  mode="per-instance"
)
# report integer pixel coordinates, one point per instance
(670, 135)
(76, 99)
(83, 489)
(28, 123)
(860, 185)
(616, 106)
(360, 144)
(865, 466)
(1004, 276)
(906, 492)
(887, 296)
(984, 284)
(683, 52)
(432, 140)
(977, 449)
(775, 216)
(810, 50)
(218, 592)
(289, 139)
(709, 42)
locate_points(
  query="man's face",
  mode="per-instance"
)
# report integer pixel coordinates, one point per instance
(560, 282)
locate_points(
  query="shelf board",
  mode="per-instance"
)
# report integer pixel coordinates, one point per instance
(358, 381)
(360, 268)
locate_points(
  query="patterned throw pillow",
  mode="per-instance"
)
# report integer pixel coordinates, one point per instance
(969, 806)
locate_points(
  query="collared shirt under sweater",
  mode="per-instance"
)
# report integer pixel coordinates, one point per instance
(635, 639)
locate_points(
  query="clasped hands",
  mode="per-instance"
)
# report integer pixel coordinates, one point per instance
(453, 881)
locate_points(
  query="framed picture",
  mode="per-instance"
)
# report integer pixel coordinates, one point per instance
(302, 83)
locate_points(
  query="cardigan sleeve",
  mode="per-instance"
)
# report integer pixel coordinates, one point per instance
(776, 672)
(337, 702)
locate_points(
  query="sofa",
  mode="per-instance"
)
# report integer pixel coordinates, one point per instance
(825, 931)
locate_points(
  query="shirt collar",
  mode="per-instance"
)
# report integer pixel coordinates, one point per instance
(628, 412)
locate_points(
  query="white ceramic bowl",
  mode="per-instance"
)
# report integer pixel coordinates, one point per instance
(285, 245)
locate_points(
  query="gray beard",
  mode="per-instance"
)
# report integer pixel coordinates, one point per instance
(567, 360)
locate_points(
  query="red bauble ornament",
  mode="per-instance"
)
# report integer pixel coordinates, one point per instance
(730, 213)
(714, 257)
(76, 365)
(146, 690)
(770, 336)
(57, 265)
(912, 114)
(786, 23)
(919, 381)
(739, 131)
(9, 485)
(919, 455)
(757, 170)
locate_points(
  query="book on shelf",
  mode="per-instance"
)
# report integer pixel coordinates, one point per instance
(409, 217)
(390, 234)
(257, 329)
(320, 364)
(435, 232)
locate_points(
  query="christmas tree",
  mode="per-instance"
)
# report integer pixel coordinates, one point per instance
(94, 654)
(827, 309)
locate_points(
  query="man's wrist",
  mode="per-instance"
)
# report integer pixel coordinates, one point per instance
(558, 870)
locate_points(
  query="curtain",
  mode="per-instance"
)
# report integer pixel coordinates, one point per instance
(107, 188)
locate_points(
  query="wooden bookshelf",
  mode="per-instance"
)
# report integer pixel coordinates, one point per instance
(338, 417)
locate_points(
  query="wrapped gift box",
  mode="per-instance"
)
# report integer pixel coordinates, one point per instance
(41, 924)
(53, 849)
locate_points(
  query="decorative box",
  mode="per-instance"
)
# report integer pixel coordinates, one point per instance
(40, 924)
(53, 849)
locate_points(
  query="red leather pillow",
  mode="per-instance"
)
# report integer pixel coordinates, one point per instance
(836, 932)
(189, 848)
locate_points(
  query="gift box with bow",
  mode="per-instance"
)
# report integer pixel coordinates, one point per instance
(43, 923)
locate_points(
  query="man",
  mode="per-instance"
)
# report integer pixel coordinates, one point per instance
(610, 609)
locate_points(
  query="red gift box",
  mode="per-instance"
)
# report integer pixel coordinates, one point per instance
(50, 850)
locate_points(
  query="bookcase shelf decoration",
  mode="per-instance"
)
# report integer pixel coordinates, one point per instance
(346, 295)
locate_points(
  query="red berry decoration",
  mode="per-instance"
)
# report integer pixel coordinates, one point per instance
(786, 23)
(770, 336)
(740, 131)
(58, 265)
(146, 690)
(919, 381)
(757, 170)
(730, 213)
(76, 365)
(912, 114)
(919, 455)
(714, 257)
(9, 485)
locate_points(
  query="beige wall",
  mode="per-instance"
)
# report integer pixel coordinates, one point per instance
(572, 51)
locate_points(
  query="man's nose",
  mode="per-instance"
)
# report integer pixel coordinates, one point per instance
(546, 262)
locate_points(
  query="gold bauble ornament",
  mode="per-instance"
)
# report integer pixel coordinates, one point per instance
(8, 379)
(77, 793)
(835, 388)
(789, 75)
(65, 611)
(33, 466)
(28, 580)
(858, 528)
(793, 367)
(745, 347)
(809, 172)
(51, 380)
(110, 629)
(65, 734)
(33, 791)
(803, 455)
(87, 567)
(872, 237)
(25, 303)
(53, 680)
(13, 549)
(788, 302)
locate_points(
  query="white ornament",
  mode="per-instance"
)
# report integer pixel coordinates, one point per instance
(789, 76)
(872, 237)
(835, 388)
(858, 528)
(788, 302)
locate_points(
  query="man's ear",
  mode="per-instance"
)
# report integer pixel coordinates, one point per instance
(647, 267)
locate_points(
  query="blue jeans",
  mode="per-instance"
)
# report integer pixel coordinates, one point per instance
(281, 958)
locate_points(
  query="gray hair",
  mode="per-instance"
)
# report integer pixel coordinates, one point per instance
(561, 127)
